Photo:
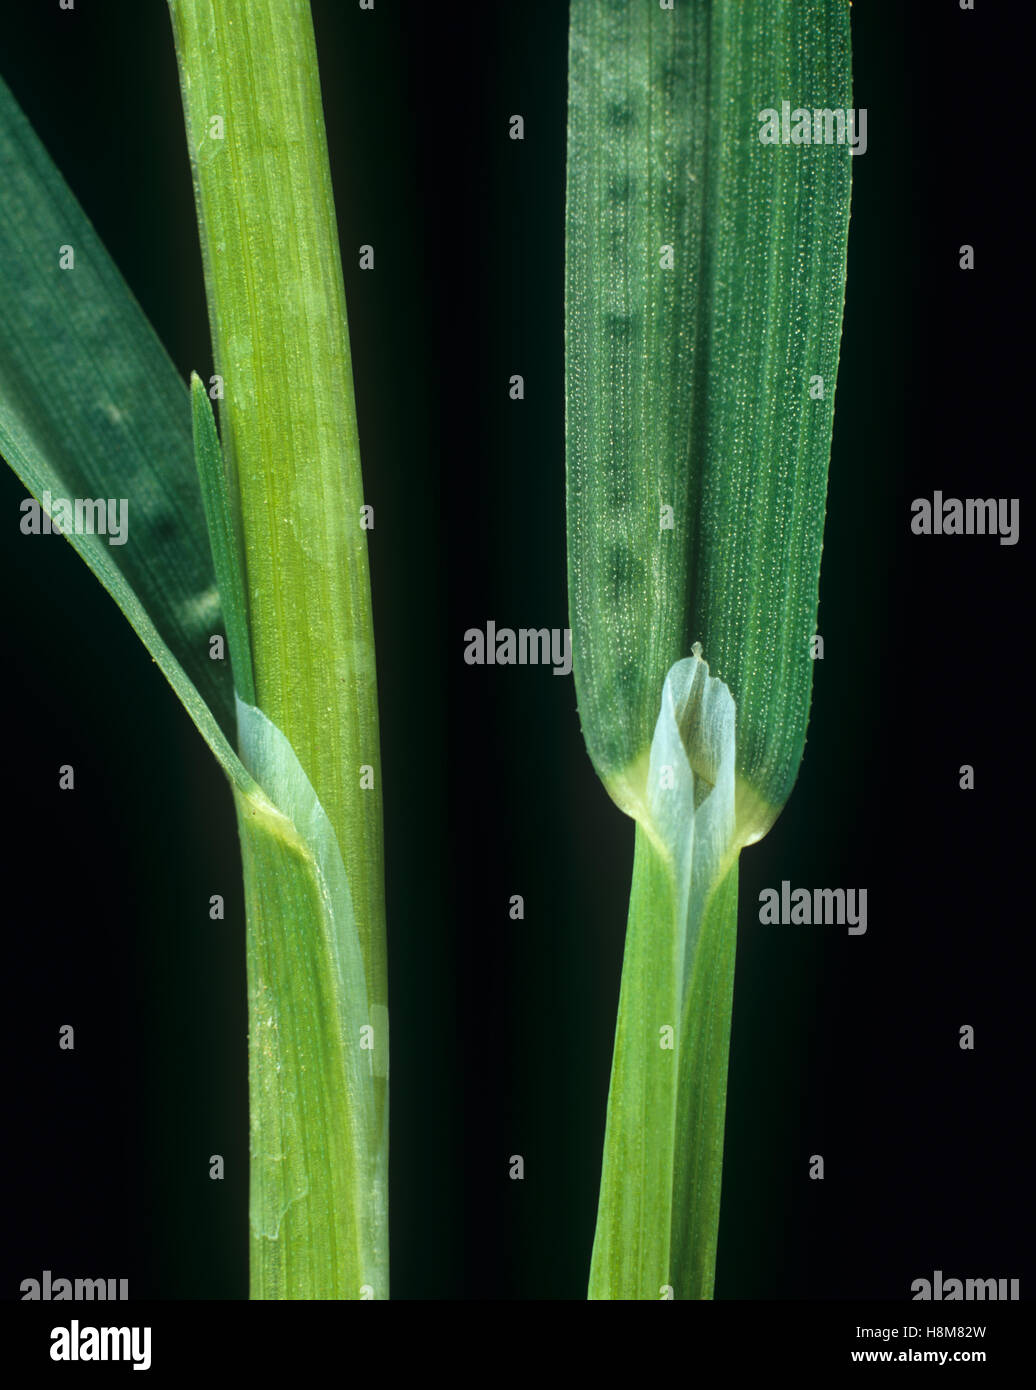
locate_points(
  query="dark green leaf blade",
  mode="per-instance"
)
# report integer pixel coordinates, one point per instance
(689, 387)
(778, 219)
(91, 407)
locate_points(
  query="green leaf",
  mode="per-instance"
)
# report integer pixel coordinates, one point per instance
(690, 388)
(92, 408)
(705, 277)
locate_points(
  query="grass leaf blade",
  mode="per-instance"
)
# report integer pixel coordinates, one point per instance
(688, 387)
(91, 408)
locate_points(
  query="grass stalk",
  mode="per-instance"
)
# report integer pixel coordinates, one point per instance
(273, 274)
(665, 1122)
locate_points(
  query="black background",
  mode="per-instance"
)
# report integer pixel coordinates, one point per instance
(501, 1031)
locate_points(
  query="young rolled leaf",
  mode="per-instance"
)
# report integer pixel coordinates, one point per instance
(224, 523)
(286, 513)
(276, 297)
(705, 277)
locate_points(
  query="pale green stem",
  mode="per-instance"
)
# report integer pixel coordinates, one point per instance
(255, 129)
(658, 1214)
